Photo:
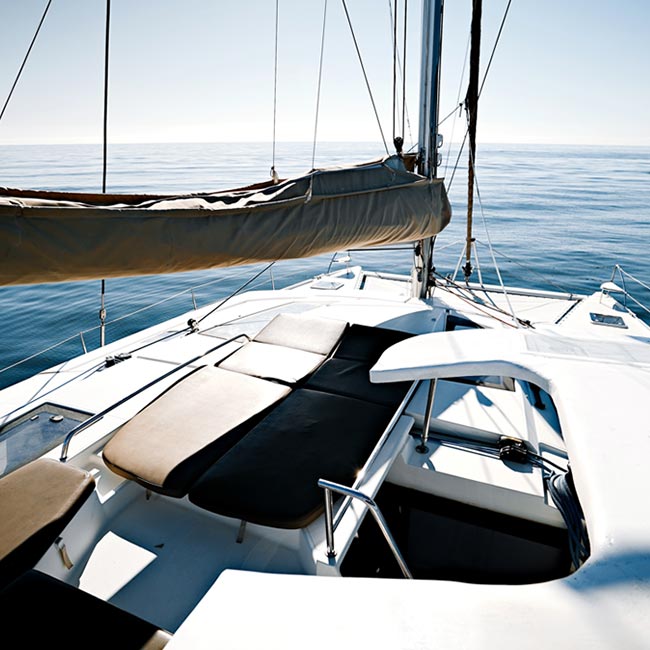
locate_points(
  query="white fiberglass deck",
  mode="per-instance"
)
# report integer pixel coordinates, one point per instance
(159, 557)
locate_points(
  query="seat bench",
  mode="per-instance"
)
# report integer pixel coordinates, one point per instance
(37, 501)
(325, 429)
(56, 614)
(270, 477)
(171, 442)
(177, 437)
(251, 437)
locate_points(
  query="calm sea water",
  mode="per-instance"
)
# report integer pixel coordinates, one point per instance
(558, 217)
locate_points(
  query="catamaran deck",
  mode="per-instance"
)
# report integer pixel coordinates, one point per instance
(158, 556)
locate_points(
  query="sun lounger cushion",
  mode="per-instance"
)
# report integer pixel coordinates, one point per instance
(308, 333)
(270, 476)
(352, 378)
(57, 615)
(37, 501)
(288, 349)
(178, 436)
(288, 365)
(363, 343)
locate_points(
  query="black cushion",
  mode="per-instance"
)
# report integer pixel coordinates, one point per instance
(352, 378)
(363, 343)
(270, 477)
(57, 615)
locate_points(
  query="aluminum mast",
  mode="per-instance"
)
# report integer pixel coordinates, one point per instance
(429, 140)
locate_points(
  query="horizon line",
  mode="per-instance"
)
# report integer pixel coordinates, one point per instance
(310, 143)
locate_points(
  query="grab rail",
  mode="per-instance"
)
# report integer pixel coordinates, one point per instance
(362, 473)
(330, 487)
(622, 274)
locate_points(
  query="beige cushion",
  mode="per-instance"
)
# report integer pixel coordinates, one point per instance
(170, 443)
(318, 335)
(37, 501)
(273, 362)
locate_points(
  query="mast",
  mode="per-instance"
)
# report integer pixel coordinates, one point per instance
(429, 141)
(471, 106)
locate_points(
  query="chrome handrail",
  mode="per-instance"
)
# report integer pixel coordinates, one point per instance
(361, 474)
(330, 487)
(98, 416)
(623, 274)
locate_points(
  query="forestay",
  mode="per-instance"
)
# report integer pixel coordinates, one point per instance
(56, 237)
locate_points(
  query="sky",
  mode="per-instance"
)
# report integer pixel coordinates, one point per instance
(565, 71)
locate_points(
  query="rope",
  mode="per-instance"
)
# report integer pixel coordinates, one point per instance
(320, 78)
(275, 86)
(562, 495)
(559, 485)
(20, 71)
(365, 76)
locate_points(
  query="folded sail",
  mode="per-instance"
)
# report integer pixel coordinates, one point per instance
(55, 237)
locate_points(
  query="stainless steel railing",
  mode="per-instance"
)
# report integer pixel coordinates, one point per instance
(98, 416)
(330, 487)
(621, 275)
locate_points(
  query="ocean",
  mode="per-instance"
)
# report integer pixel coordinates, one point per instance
(558, 217)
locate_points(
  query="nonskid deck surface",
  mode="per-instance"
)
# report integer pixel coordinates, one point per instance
(159, 556)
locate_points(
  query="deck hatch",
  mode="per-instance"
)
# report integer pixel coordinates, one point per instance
(34, 433)
(607, 319)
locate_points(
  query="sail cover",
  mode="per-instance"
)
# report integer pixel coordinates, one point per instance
(56, 237)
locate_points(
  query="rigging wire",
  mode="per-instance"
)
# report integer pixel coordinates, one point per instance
(106, 59)
(494, 49)
(453, 112)
(482, 308)
(365, 76)
(320, 78)
(399, 72)
(487, 234)
(527, 268)
(406, 5)
(274, 174)
(394, 21)
(459, 104)
(460, 153)
(102, 309)
(234, 293)
(29, 49)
